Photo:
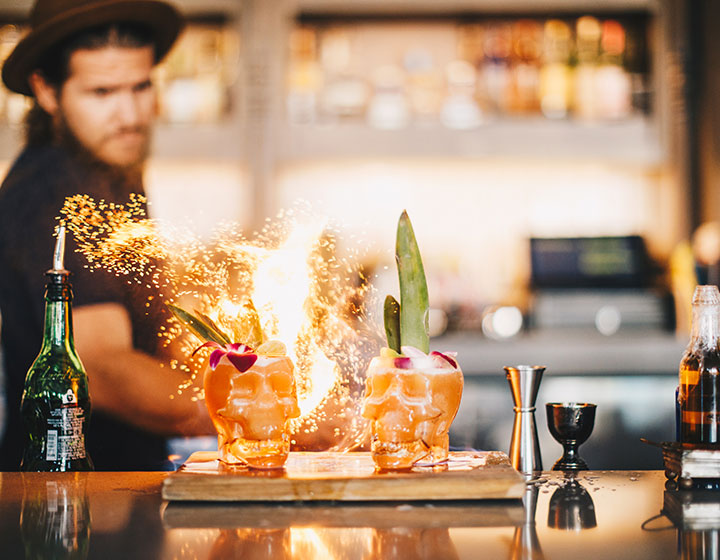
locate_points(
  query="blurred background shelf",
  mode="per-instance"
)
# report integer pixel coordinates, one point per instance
(449, 6)
(632, 141)
(207, 142)
(629, 142)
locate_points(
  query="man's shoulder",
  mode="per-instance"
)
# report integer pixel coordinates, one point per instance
(41, 177)
(37, 167)
(33, 191)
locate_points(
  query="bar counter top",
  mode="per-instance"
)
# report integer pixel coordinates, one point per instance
(602, 514)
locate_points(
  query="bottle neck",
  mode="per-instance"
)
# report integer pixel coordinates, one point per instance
(705, 326)
(58, 331)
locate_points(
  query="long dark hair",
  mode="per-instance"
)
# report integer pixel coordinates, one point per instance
(55, 68)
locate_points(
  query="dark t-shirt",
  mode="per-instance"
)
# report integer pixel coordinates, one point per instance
(31, 197)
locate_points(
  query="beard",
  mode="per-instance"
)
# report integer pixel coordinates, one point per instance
(42, 129)
(124, 174)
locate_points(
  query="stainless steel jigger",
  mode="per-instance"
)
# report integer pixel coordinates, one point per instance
(524, 446)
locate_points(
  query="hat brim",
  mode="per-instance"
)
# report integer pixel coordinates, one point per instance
(163, 20)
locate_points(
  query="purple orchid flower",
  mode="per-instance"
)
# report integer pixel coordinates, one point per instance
(403, 362)
(239, 355)
(447, 356)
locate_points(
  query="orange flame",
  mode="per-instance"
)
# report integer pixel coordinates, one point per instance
(305, 294)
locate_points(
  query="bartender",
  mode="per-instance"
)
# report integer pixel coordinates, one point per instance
(86, 65)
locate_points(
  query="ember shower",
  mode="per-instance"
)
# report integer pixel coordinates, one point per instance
(305, 295)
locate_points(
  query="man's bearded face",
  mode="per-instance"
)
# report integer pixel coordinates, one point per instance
(108, 103)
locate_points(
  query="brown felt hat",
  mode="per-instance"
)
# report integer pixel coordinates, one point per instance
(52, 21)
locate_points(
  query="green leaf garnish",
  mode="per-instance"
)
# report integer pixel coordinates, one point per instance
(414, 302)
(391, 316)
(252, 332)
(209, 322)
(204, 330)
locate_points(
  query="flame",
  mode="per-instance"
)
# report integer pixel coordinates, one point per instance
(307, 543)
(304, 294)
(331, 542)
(283, 281)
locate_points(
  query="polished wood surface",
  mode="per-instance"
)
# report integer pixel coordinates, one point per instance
(318, 476)
(613, 514)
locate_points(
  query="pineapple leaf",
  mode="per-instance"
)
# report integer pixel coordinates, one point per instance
(209, 322)
(205, 331)
(251, 319)
(414, 302)
(391, 315)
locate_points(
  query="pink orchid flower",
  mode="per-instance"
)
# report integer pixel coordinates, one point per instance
(239, 355)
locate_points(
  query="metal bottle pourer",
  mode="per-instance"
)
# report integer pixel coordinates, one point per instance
(524, 446)
(59, 253)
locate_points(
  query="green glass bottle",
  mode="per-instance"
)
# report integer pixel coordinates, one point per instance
(56, 402)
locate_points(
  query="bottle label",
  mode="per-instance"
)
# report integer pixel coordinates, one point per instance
(51, 445)
(65, 439)
(701, 417)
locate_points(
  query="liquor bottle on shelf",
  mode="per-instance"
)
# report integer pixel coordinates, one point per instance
(588, 32)
(494, 79)
(459, 109)
(699, 391)
(612, 81)
(555, 73)
(304, 77)
(525, 67)
(56, 402)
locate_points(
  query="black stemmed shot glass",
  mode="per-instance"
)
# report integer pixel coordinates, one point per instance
(570, 424)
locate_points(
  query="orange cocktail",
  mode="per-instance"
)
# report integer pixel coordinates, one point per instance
(251, 410)
(411, 402)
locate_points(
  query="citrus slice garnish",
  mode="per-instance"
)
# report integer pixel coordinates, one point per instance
(386, 352)
(272, 348)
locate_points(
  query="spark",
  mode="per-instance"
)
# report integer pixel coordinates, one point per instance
(306, 293)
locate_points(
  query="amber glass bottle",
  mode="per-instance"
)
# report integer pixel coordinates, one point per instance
(56, 402)
(699, 391)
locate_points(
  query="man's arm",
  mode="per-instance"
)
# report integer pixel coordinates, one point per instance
(129, 384)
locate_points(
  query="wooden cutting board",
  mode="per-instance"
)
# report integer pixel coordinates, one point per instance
(313, 476)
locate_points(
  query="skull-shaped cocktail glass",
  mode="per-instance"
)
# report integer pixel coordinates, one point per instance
(251, 410)
(250, 394)
(411, 402)
(411, 395)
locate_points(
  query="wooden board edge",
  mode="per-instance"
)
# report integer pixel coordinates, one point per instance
(198, 487)
(376, 515)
